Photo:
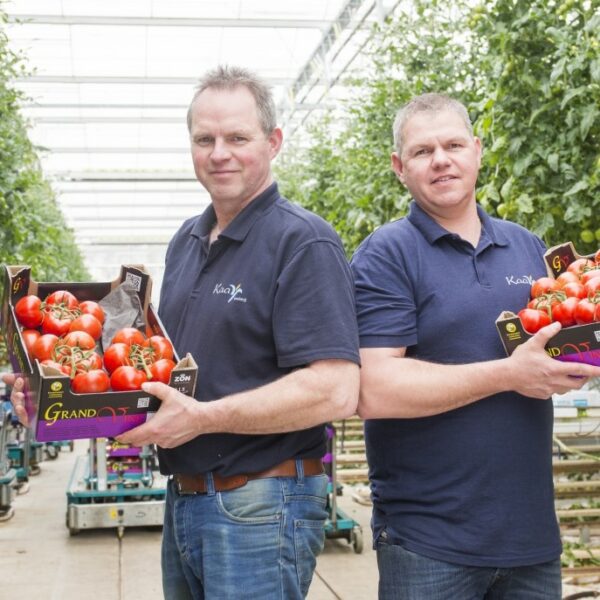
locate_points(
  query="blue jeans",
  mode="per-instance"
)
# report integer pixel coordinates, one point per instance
(404, 575)
(257, 541)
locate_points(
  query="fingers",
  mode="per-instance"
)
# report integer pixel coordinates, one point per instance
(158, 389)
(545, 334)
(9, 378)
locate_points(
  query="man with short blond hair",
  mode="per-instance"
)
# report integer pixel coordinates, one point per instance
(458, 436)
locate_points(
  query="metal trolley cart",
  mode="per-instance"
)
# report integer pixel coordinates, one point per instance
(338, 524)
(8, 476)
(115, 485)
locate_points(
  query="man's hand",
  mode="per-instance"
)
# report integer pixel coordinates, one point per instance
(174, 423)
(17, 397)
(537, 375)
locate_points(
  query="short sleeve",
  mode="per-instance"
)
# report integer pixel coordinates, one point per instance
(314, 316)
(385, 298)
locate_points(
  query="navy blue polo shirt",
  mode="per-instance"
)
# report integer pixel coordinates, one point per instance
(473, 485)
(273, 293)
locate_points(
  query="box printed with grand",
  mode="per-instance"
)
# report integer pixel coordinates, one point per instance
(569, 294)
(85, 349)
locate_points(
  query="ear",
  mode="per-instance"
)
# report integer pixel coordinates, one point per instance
(275, 140)
(479, 150)
(397, 166)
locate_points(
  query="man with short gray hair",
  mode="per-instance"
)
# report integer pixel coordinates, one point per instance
(458, 436)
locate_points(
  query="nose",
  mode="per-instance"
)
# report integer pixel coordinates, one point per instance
(440, 157)
(220, 151)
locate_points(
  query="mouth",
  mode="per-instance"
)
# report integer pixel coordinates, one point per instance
(444, 179)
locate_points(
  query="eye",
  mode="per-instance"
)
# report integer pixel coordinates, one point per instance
(421, 152)
(239, 139)
(203, 140)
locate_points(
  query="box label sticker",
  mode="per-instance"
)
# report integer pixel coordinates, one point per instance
(134, 280)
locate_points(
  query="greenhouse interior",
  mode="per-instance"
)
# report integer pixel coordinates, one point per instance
(435, 217)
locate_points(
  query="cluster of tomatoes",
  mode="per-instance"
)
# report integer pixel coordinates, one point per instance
(63, 333)
(573, 298)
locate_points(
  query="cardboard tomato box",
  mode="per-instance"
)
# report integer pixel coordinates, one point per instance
(55, 412)
(579, 343)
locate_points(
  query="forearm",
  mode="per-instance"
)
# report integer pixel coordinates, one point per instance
(408, 388)
(318, 393)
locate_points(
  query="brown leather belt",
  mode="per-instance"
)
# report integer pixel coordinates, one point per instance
(196, 484)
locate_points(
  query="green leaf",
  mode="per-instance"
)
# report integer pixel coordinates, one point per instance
(553, 161)
(525, 203)
(587, 120)
(578, 187)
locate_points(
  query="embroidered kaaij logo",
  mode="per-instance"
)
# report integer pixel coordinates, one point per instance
(234, 292)
(516, 280)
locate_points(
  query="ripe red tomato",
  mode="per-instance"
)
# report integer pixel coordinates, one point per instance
(544, 285)
(43, 347)
(56, 365)
(578, 265)
(160, 347)
(586, 312)
(87, 323)
(127, 379)
(533, 320)
(56, 322)
(574, 289)
(79, 339)
(95, 381)
(89, 307)
(130, 336)
(28, 311)
(161, 370)
(592, 287)
(117, 355)
(62, 298)
(29, 337)
(545, 302)
(566, 277)
(88, 361)
(564, 313)
(590, 274)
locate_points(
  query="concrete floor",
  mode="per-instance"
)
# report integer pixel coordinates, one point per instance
(39, 560)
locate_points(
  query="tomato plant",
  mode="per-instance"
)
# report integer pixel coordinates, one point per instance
(28, 311)
(127, 378)
(161, 370)
(533, 320)
(94, 381)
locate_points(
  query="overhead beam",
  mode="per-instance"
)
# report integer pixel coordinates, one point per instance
(168, 21)
(94, 79)
(124, 176)
(113, 150)
(90, 105)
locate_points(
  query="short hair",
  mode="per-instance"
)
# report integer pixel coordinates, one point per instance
(226, 77)
(427, 103)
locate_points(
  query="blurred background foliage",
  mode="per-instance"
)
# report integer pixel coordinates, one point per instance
(529, 73)
(32, 227)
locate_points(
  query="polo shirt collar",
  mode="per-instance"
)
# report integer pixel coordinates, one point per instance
(240, 226)
(433, 231)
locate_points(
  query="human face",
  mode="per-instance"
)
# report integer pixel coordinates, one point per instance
(231, 153)
(439, 163)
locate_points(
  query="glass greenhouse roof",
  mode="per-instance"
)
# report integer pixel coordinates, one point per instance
(109, 86)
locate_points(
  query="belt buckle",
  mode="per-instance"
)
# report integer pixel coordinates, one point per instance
(181, 491)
